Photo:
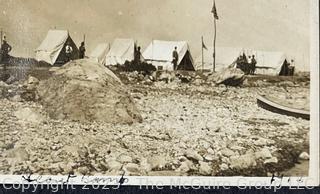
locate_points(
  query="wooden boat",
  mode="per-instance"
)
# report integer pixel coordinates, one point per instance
(267, 104)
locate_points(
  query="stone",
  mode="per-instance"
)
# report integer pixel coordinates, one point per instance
(83, 170)
(209, 157)
(190, 154)
(32, 80)
(242, 162)
(271, 160)
(210, 151)
(230, 77)
(227, 152)
(114, 165)
(144, 165)
(224, 167)
(205, 169)
(157, 162)
(184, 167)
(124, 159)
(263, 154)
(132, 167)
(304, 156)
(261, 142)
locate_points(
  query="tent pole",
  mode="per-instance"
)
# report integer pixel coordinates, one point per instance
(202, 63)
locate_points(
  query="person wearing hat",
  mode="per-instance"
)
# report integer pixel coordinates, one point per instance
(175, 58)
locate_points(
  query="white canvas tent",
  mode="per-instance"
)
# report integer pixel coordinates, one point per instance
(159, 53)
(269, 63)
(50, 50)
(99, 53)
(121, 50)
(225, 56)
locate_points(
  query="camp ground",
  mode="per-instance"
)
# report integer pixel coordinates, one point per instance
(52, 48)
(99, 53)
(159, 53)
(225, 56)
(121, 50)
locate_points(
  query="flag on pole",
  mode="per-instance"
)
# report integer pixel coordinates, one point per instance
(214, 11)
(203, 45)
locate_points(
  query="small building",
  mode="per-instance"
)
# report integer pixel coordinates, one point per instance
(53, 47)
(159, 54)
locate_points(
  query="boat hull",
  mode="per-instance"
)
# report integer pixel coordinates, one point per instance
(280, 109)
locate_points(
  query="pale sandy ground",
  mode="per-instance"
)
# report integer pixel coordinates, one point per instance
(186, 130)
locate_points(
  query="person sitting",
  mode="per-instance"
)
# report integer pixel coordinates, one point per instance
(68, 51)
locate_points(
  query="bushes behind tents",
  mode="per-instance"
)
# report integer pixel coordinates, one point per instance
(134, 66)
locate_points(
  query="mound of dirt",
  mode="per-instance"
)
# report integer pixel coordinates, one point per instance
(86, 91)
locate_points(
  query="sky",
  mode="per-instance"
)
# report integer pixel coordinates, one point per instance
(271, 25)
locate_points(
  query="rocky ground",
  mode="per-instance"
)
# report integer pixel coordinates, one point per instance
(188, 129)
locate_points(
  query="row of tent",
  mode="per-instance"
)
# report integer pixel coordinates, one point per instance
(158, 53)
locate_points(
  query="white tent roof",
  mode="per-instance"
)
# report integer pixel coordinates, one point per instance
(51, 46)
(121, 50)
(160, 52)
(99, 53)
(225, 56)
(269, 63)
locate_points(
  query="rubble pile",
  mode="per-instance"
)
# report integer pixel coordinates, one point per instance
(86, 91)
(187, 129)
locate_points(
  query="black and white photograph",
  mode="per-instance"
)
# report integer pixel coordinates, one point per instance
(170, 88)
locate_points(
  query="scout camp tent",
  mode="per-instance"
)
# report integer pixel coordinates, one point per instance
(52, 48)
(269, 63)
(159, 53)
(99, 53)
(225, 56)
(121, 50)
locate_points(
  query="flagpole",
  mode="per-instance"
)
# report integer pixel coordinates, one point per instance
(214, 45)
(215, 17)
(202, 63)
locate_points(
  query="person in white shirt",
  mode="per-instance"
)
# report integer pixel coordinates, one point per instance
(69, 51)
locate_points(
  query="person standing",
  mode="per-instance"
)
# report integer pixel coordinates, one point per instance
(4, 54)
(137, 55)
(175, 58)
(82, 50)
(253, 65)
